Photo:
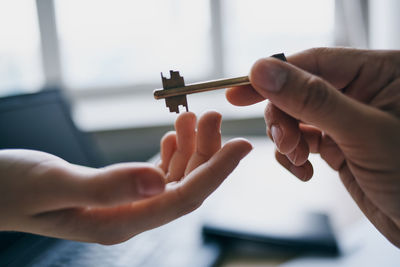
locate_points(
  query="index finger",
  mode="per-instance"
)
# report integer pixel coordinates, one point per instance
(195, 188)
(338, 66)
(114, 225)
(244, 95)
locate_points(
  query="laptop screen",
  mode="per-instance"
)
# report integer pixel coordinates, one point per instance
(42, 121)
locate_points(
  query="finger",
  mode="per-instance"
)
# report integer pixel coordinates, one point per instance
(308, 98)
(324, 145)
(312, 136)
(168, 148)
(114, 225)
(192, 191)
(353, 70)
(331, 152)
(303, 172)
(120, 183)
(243, 95)
(299, 155)
(78, 186)
(206, 178)
(338, 66)
(208, 140)
(185, 126)
(200, 183)
(282, 128)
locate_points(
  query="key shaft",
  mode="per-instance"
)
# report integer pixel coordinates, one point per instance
(201, 87)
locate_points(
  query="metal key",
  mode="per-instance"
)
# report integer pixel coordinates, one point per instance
(174, 89)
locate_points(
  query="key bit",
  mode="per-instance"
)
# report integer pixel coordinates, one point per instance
(174, 89)
(175, 81)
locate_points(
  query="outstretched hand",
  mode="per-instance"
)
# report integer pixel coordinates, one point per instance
(345, 105)
(43, 194)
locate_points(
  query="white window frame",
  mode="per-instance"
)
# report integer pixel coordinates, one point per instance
(350, 30)
(51, 56)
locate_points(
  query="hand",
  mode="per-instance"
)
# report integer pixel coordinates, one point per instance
(43, 194)
(345, 105)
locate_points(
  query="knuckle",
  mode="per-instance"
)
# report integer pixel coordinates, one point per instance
(50, 169)
(322, 50)
(190, 206)
(109, 239)
(204, 155)
(317, 50)
(186, 202)
(316, 98)
(110, 233)
(269, 113)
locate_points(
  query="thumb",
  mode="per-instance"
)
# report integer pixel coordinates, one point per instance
(116, 184)
(306, 97)
(64, 185)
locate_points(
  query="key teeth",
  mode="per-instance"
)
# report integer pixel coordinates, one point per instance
(173, 108)
(174, 75)
(176, 109)
(175, 80)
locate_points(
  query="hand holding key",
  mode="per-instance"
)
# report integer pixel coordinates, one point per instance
(345, 105)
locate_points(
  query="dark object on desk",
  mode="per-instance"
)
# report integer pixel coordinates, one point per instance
(42, 121)
(174, 89)
(306, 233)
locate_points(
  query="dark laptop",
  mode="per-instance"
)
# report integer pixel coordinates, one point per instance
(42, 121)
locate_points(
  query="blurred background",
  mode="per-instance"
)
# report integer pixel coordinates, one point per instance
(107, 56)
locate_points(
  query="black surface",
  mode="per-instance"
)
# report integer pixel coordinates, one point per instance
(311, 234)
(42, 121)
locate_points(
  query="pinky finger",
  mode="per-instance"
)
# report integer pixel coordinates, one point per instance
(168, 148)
(303, 172)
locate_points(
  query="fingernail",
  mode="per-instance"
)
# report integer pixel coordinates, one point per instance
(149, 187)
(276, 133)
(268, 75)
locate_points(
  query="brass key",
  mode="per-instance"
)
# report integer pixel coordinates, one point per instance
(174, 89)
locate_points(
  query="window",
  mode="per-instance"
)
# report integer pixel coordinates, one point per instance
(120, 42)
(108, 54)
(109, 47)
(112, 43)
(267, 27)
(20, 61)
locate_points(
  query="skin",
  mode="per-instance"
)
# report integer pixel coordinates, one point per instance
(43, 194)
(345, 105)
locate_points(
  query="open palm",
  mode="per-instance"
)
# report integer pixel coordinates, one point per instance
(43, 194)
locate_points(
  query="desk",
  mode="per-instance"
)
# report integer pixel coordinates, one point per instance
(262, 189)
